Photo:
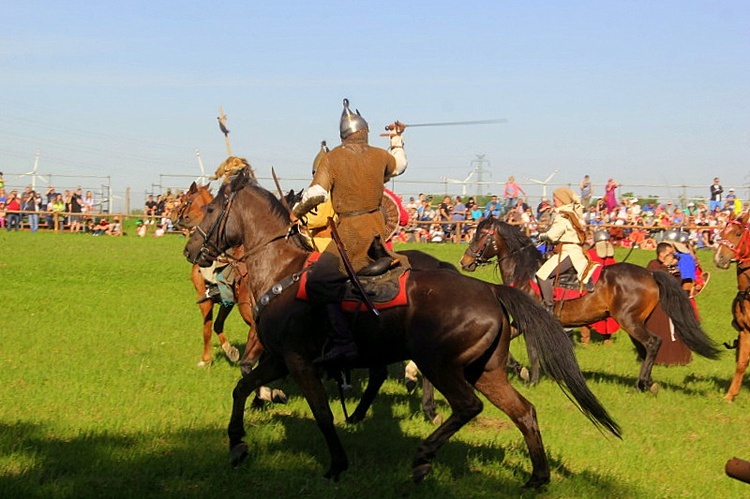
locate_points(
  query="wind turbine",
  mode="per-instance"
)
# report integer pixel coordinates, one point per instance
(544, 183)
(202, 179)
(462, 182)
(33, 174)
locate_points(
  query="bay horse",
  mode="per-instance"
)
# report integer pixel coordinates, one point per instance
(734, 246)
(186, 217)
(626, 292)
(459, 341)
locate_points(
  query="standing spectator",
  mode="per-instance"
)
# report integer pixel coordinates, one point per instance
(610, 197)
(730, 200)
(57, 210)
(88, 203)
(2, 214)
(31, 205)
(458, 216)
(3, 196)
(444, 214)
(493, 208)
(716, 191)
(587, 191)
(149, 209)
(2, 181)
(512, 193)
(12, 208)
(75, 208)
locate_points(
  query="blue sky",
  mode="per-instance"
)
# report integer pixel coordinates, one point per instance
(643, 91)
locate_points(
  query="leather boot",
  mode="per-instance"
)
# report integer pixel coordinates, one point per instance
(546, 289)
(344, 348)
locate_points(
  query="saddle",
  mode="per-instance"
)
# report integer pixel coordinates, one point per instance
(385, 286)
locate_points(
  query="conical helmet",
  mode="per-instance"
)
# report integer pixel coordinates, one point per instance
(320, 156)
(351, 122)
(601, 235)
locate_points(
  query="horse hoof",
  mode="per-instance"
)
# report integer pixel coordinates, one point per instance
(535, 482)
(278, 397)
(524, 374)
(203, 363)
(411, 384)
(238, 454)
(654, 388)
(437, 420)
(419, 472)
(231, 352)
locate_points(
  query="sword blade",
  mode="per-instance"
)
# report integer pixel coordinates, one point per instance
(454, 123)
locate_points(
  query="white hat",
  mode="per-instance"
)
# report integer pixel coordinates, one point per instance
(691, 203)
(634, 200)
(731, 189)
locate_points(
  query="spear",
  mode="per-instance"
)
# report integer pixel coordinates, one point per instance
(222, 118)
(393, 126)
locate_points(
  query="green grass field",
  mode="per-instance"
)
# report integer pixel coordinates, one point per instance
(100, 396)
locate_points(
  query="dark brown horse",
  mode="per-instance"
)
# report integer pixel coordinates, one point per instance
(734, 246)
(459, 341)
(186, 218)
(626, 292)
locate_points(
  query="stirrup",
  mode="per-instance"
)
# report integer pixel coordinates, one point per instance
(346, 352)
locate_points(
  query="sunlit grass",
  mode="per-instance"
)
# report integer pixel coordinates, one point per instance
(100, 396)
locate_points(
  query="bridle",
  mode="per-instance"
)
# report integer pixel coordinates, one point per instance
(184, 209)
(740, 249)
(217, 230)
(486, 243)
(217, 233)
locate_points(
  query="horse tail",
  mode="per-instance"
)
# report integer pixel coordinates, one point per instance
(678, 307)
(545, 334)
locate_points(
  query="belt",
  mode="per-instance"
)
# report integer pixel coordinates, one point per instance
(360, 212)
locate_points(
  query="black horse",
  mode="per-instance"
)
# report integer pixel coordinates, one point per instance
(459, 340)
(627, 292)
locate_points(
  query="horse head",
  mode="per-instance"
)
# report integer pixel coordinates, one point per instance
(217, 231)
(482, 247)
(191, 210)
(734, 242)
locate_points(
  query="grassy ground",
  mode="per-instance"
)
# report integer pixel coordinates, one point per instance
(100, 396)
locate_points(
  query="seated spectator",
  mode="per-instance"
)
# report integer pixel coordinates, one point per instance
(2, 214)
(115, 228)
(159, 232)
(101, 227)
(140, 228)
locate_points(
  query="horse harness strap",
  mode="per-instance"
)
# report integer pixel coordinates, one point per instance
(276, 290)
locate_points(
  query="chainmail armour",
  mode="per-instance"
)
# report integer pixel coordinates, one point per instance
(354, 173)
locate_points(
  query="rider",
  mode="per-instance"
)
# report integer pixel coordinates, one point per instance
(567, 233)
(353, 175)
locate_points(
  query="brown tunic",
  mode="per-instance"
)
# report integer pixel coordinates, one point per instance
(354, 173)
(672, 351)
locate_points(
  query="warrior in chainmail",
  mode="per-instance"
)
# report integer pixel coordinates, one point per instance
(352, 175)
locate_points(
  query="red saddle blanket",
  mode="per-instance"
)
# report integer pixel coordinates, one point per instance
(605, 326)
(351, 303)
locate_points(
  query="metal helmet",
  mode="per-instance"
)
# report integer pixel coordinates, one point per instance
(351, 122)
(601, 235)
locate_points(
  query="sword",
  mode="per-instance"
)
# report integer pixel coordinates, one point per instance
(281, 193)
(349, 268)
(393, 126)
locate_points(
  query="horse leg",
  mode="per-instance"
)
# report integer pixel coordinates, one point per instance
(268, 370)
(410, 376)
(207, 310)
(743, 356)
(465, 405)
(429, 409)
(230, 351)
(375, 380)
(311, 386)
(495, 386)
(651, 342)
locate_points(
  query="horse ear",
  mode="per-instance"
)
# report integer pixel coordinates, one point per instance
(744, 217)
(193, 188)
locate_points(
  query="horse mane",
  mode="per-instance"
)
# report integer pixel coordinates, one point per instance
(521, 254)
